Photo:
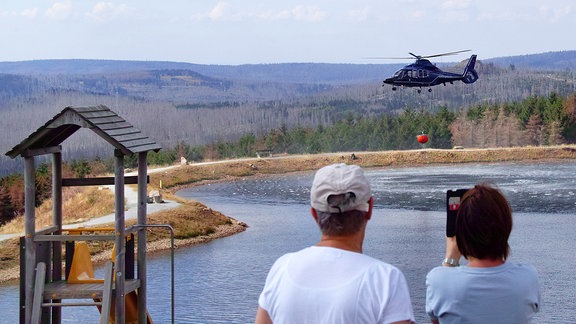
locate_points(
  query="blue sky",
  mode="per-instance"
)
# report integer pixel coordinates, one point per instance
(281, 31)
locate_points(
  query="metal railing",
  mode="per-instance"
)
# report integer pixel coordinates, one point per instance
(171, 256)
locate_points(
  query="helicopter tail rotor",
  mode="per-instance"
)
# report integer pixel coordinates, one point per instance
(470, 75)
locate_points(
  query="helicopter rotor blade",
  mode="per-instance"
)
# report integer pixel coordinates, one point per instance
(416, 56)
(389, 58)
(443, 54)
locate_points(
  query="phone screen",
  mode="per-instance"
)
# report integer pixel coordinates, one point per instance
(453, 198)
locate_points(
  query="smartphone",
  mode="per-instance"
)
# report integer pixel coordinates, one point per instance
(453, 198)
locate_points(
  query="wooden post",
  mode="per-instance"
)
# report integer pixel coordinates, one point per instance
(142, 201)
(38, 291)
(57, 221)
(29, 231)
(119, 264)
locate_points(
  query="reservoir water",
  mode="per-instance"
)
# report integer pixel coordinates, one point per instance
(219, 282)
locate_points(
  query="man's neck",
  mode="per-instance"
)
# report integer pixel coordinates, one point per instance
(349, 243)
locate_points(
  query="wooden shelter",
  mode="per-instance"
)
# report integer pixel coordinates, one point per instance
(43, 247)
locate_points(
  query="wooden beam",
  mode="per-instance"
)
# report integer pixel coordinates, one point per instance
(42, 151)
(100, 181)
(48, 230)
(66, 238)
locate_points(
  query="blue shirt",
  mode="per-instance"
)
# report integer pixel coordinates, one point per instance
(509, 293)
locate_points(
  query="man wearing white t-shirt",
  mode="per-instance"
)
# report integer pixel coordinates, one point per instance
(333, 282)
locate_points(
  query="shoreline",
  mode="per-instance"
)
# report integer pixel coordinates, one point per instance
(179, 177)
(11, 275)
(164, 245)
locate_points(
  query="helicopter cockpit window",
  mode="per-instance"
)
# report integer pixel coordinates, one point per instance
(399, 74)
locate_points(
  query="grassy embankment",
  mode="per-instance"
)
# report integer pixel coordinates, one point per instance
(195, 223)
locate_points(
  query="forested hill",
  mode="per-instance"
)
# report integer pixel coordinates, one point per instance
(176, 102)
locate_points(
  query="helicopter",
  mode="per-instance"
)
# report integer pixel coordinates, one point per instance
(423, 73)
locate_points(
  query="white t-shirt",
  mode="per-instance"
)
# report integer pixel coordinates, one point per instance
(509, 293)
(328, 285)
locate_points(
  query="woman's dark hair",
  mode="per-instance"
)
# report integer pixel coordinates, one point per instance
(484, 223)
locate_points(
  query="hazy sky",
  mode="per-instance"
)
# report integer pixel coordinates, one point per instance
(281, 31)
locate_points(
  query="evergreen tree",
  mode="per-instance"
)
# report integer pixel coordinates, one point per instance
(7, 210)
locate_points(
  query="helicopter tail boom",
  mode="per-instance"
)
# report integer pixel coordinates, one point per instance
(470, 75)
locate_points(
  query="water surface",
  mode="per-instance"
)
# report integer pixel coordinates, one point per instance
(219, 282)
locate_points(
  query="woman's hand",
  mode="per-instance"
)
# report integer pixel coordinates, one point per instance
(452, 253)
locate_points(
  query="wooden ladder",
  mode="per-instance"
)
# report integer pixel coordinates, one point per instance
(105, 295)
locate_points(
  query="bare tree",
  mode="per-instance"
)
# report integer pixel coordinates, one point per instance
(533, 133)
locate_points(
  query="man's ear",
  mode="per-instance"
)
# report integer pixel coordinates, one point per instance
(370, 206)
(314, 214)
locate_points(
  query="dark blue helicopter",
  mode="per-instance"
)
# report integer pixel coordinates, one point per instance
(422, 73)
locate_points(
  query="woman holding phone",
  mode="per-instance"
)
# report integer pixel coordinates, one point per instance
(488, 289)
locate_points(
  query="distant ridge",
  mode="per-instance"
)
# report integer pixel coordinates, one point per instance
(284, 72)
(550, 61)
(86, 66)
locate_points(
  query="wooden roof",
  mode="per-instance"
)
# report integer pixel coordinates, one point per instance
(103, 121)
